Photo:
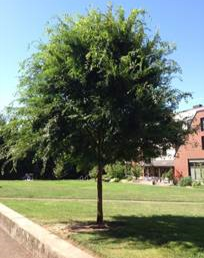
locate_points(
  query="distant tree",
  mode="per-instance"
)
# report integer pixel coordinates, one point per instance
(12, 166)
(2, 123)
(18, 148)
(99, 91)
(5, 164)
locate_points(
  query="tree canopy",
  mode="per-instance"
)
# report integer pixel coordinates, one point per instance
(99, 91)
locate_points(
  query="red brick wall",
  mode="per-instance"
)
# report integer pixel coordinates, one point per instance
(191, 150)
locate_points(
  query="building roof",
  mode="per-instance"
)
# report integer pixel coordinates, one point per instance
(160, 163)
(188, 115)
(168, 160)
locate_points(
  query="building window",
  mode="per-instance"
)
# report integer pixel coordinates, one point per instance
(202, 142)
(196, 169)
(202, 123)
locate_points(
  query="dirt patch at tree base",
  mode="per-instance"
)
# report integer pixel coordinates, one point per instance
(64, 230)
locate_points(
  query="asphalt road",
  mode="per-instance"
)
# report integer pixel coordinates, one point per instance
(9, 248)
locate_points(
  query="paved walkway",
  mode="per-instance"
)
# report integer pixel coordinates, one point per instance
(94, 200)
(9, 248)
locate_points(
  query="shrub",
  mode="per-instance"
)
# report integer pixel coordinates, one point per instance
(93, 172)
(129, 178)
(196, 183)
(116, 170)
(175, 181)
(185, 181)
(169, 175)
(136, 171)
(128, 167)
(106, 179)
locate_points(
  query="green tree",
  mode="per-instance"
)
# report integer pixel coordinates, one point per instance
(2, 124)
(99, 91)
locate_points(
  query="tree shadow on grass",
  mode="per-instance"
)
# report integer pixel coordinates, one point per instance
(157, 231)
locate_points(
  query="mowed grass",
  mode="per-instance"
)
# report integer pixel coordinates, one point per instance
(168, 224)
(73, 189)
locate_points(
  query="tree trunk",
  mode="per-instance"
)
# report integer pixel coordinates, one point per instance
(99, 196)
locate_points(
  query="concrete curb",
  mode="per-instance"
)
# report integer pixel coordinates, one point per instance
(37, 240)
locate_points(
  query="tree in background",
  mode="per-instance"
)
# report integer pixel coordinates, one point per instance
(99, 91)
(2, 141)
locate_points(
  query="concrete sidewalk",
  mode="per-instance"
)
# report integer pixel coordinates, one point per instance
(9, 248)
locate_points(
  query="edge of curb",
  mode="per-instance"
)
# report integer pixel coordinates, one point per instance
(38, 241)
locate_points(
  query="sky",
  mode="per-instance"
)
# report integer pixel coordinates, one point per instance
(22, 23)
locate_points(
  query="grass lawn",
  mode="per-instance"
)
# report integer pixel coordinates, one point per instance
(74, 189)
(168, 224)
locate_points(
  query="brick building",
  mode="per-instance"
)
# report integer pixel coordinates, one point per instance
(188, 160)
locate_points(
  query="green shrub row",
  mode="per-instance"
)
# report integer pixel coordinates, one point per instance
(118, 171)
(187, 181)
